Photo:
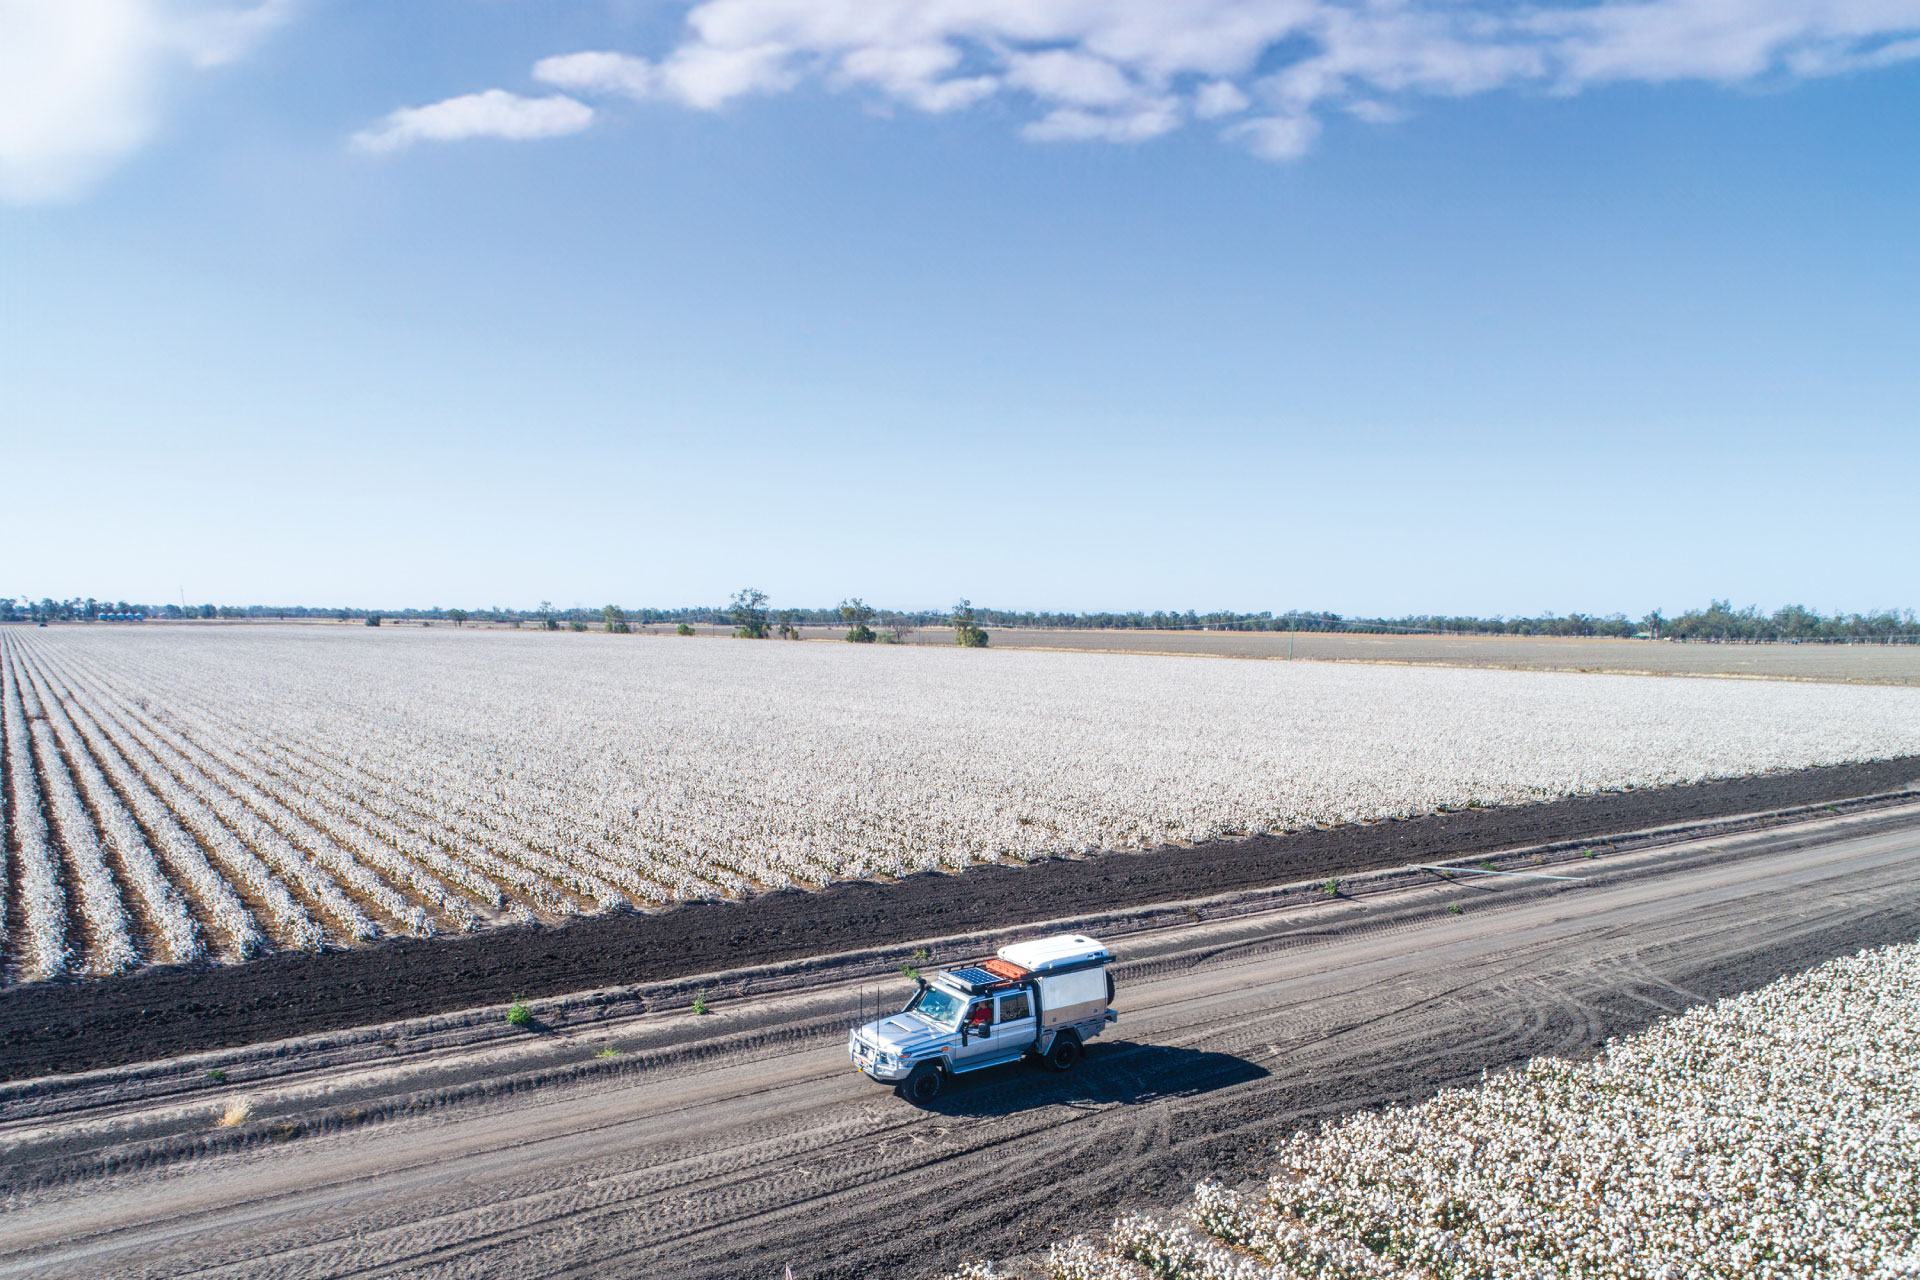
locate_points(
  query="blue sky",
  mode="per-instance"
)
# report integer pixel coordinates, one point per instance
(1057, 304)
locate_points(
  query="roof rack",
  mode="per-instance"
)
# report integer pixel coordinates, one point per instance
(975, 979)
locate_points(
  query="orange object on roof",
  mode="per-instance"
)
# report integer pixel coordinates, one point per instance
(1003, 968)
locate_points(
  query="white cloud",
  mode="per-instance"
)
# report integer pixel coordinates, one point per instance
(710, 76)
(216, 34)
(1375, 112)
(82, 82)
(615, 73)
(917, 74)
(1276, 137)
(702, 76)
(1128, 70)
(493, 114)
(1075, 78)
(1071, 124)
(1219, 98)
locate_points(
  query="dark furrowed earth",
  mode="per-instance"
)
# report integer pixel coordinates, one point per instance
(66, 1026)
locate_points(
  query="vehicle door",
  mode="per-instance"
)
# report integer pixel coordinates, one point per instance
(1013, 1021)
(980, 1042)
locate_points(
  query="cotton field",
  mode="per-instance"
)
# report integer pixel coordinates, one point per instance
(175, 793)
(1775, 1135)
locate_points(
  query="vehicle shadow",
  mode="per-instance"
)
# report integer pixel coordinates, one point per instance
(1114, 1072)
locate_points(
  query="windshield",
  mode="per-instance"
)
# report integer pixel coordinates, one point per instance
(942, 1007)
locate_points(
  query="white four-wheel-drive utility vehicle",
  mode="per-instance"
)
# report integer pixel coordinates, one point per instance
(1044, 998)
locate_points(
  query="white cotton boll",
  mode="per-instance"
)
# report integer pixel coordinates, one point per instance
(170, 811)
(43, 902)
(1777, 1125)
(162, 902)
(109, 943)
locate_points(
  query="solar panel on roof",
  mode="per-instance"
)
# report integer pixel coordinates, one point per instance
(976, 977)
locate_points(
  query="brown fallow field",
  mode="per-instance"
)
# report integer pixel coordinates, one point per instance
(1851, 664)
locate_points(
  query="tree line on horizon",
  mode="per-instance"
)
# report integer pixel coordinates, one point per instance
(748, 614)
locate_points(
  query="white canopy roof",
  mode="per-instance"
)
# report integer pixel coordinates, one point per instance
(1059, 951)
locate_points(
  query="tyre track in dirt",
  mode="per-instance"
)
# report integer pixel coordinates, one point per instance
(743, 1164)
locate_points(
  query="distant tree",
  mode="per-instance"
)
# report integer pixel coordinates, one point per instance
(967, 631)
(373, 619)
(684, 629)
(788, 631)
(615, 619)
(1718, 621)
(900, 629)
(458, 617)
(576, 624)
(1653, 622)
(857, 613)
(1797, 622)
(749, 613)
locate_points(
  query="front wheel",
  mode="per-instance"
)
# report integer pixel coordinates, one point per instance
(923, 1086)
(1064, 1053)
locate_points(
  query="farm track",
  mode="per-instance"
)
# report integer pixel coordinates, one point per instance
(739, 1144)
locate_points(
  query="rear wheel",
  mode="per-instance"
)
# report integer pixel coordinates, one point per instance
(1064, 1053)
(924, 1085)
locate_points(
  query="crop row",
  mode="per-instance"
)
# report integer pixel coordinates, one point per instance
(1771, 1135)
(174, 794)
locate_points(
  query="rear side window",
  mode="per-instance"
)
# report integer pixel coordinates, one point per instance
(1014, 1006)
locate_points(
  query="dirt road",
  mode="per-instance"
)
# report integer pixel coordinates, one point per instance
(753, 1146)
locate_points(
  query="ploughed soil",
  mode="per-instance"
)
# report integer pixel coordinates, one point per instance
(63, 1026)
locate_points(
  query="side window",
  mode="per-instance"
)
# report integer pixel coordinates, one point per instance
(1014, 1006)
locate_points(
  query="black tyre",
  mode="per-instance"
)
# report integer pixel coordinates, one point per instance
(1064, 1053)
(924, 1085)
